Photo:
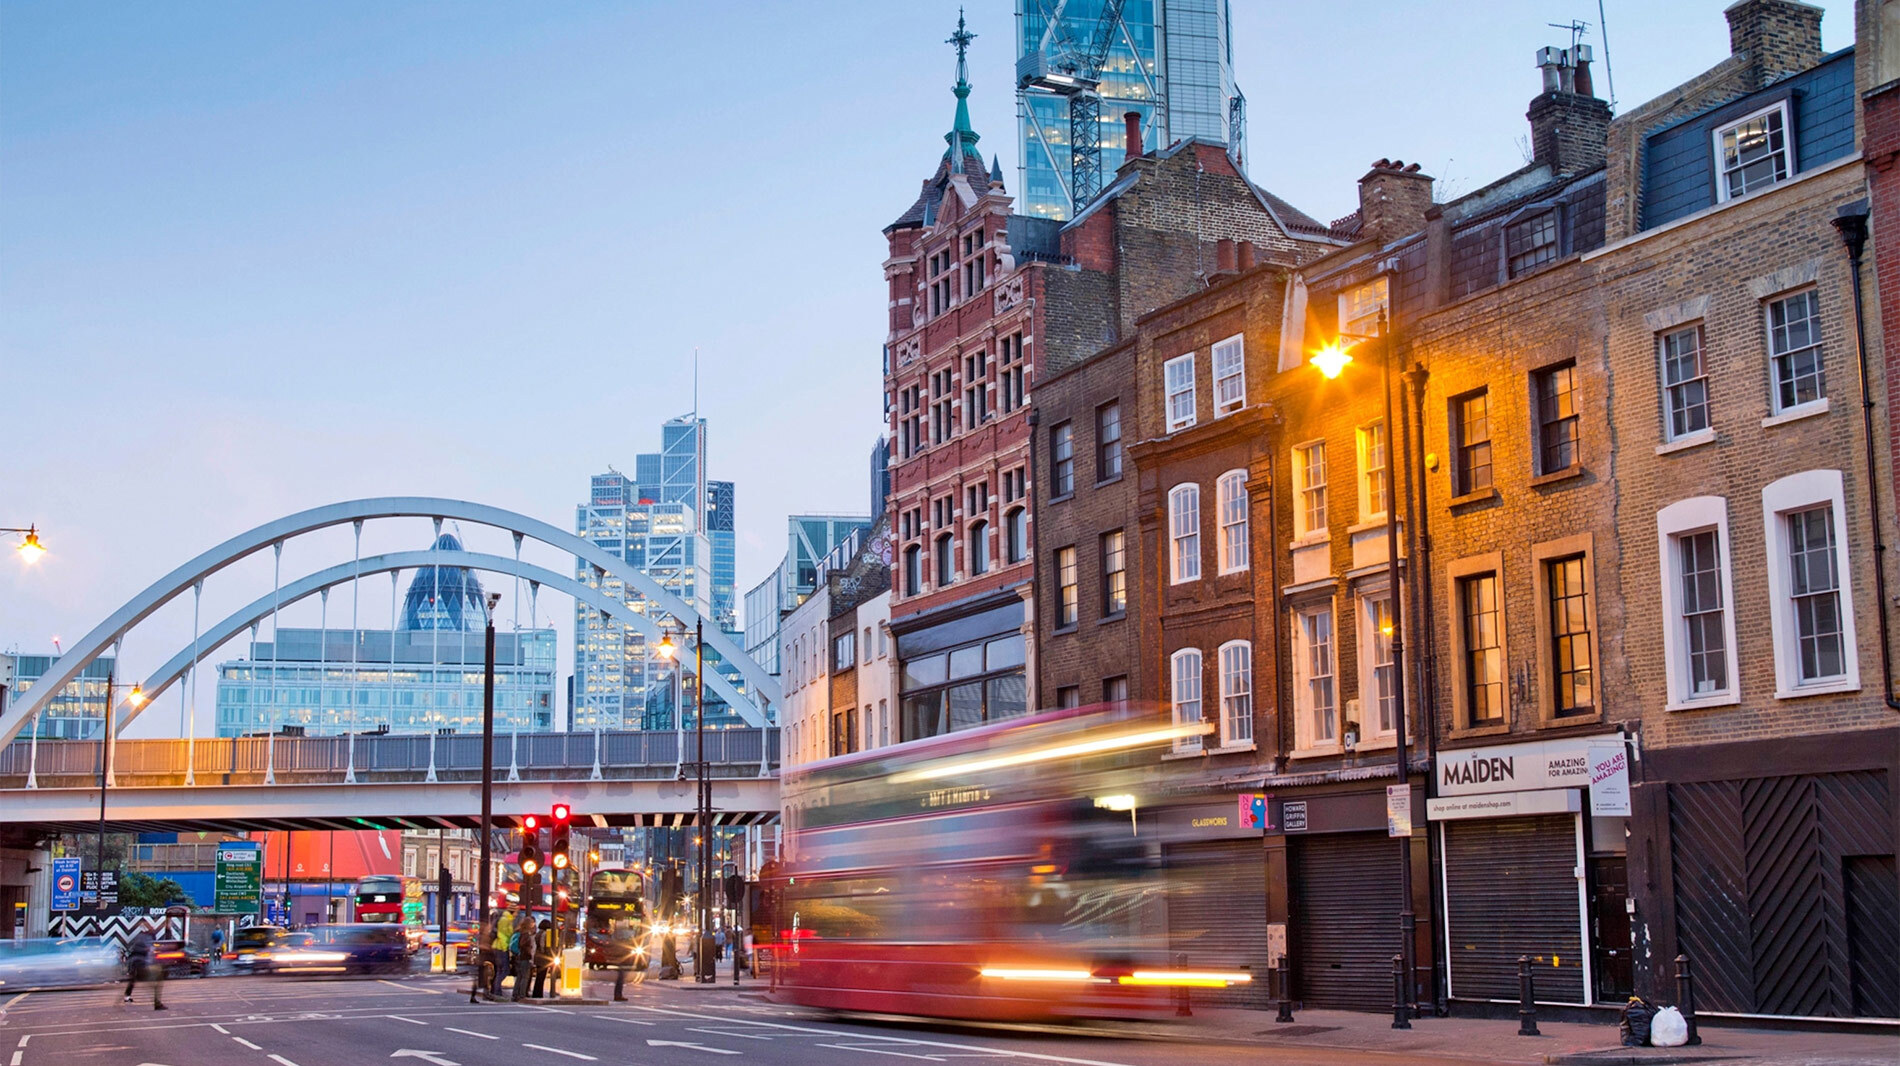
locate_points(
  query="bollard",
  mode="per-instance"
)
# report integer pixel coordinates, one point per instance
(1685, 996)
(1400, 1015)
(1286, 993)
(736, 949)
(1182, 1009)
(1526, 999)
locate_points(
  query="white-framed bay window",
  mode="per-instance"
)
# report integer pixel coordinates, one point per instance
(1315, 684)
(1698, 598)
(1809, 587)
(1236, 693)
(1184, 533)
(1231, 505)
(1184, 675)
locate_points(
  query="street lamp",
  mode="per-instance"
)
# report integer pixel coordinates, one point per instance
(702, 807)
(1332, 360)
(137, 699)
(30, 548)
(488, 787)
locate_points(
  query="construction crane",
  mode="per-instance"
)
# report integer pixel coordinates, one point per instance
(1068, 62)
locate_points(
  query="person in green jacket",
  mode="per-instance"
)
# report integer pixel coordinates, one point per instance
(498, 949)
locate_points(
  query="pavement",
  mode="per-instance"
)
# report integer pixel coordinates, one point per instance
(427, 1019)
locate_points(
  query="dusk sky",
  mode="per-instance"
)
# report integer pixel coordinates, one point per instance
(256, 257)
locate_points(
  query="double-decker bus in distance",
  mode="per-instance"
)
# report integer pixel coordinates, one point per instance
(394, 899)
(616, 923)
(992, 873)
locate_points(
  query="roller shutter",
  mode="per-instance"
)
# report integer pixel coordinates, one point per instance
(1344, 902)
(1511, 889)
(1217, 915)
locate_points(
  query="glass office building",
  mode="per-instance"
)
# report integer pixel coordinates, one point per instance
(809, 538)
(424, 676)
(76, 712)
(1171, 61)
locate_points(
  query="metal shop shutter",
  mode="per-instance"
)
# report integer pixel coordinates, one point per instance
(1217, 915)
(1511, 890)
(1344, 901)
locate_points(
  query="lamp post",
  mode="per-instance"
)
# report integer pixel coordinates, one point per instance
(1331, 361)
(703, 972)
(136, 698)
(482, 887)
(30, 548)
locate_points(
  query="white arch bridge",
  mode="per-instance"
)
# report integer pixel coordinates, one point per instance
(612, 777)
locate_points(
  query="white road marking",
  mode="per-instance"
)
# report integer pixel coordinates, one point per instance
(411, 1021)
(725, 1032)
(406, 988)
(283, 1061)
(629, 1021)
(25, 1038)
(17, 1056)
(220, 1028)
(471, 1032)
(558, 1051)
(881, 1051)
(1032, 1056)
(695, 1047)
(247, 1043)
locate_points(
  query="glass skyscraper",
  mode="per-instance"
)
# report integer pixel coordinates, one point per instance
(1170, 60)
(677, 527)
(423, 676)
(808, 539)
(80, 707)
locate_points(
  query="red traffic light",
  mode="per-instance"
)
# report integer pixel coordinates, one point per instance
(530, 823)
(560, 812)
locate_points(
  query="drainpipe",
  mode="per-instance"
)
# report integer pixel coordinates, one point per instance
(1035, 554)
(1851, 221)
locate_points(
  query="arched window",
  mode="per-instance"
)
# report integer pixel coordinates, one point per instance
(1017, 534)
(979, 548)
(1185, 675)
(1184, 532)
(946, 560)
(913, 570)
(1232, 495)
(1236, 692)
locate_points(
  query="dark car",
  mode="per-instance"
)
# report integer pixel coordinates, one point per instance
(248, 943)
(366, 947)
(180, 959)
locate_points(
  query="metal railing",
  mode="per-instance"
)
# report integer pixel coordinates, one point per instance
(616, 755)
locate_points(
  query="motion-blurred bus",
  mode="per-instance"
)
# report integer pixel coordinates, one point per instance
(387, 898)
(990, 873)
(616, 924)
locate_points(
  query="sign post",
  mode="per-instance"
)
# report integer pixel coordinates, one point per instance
(239, 880)
(65, 896)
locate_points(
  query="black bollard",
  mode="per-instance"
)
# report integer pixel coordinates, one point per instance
(1685, 996)
(1181, 1008)
(1401, 1014)
(1286, 993)
(1526, 999)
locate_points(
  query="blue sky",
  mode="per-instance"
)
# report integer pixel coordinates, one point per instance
(258, 257)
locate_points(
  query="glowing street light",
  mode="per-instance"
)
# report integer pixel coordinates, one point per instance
(1331, 360)
(30, 548)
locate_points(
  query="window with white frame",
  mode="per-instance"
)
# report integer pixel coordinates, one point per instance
(1794, 350)
(1309, 486)
(1813, 609)
(1068, 585)
(1185, 677)
(1378, 698)
(1373, 479)
(1184, 533)
(1230, 375)
(1314, 695)
(1685, 381)
(1360, 308)
(1178, 377)
(1482, 645)
(1753, 153)
(1231, 493)
(1236, 693)
(1703, 612)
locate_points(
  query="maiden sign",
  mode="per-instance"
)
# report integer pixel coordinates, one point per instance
(1600, 764)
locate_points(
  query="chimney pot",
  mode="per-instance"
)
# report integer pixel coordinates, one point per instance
(1226, 257)
(1248, 255)
(1131, 123)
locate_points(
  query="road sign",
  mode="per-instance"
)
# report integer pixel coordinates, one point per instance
(89, 888)
(1398, 810)
(66, 884)
(240, 878)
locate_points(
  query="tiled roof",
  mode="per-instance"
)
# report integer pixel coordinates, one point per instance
(924, 210)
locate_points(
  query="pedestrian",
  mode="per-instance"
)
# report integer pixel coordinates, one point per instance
(623, 955)
(483, 944)
(141, 962)
(545, 945)
(217, 948)
(500, 950)
(719, 944)
(523, 945)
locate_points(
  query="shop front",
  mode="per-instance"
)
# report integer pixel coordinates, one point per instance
(963, 666)
(1533, 839)
(1216, 894)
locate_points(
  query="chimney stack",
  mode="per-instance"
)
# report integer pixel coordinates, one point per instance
(1131, 122)
(1226, 256)
(1570, 127)
(1249, 255)
(1778, 37)
(1393, 199)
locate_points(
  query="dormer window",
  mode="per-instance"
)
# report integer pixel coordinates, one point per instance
(1753, 153)
(1531, 242)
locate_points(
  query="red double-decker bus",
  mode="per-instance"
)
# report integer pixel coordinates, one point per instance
(392, 899)
(993, 873)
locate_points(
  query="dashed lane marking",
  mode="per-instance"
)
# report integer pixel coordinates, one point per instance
(411, 1021)
(1032, 1056)
(558, 1051)
(471, 1032)
(247, 1043)
(282, 1061)
(629, 1021)
(220, 1028)
(883, 1051)
(17, 1056)
(406, 988)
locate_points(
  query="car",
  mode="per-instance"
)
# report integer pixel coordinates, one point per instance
(248, 942)
(366, 947)
(63, 962)
(180, 959)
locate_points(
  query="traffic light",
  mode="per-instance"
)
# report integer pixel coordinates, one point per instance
(530, 858)
(559, 834)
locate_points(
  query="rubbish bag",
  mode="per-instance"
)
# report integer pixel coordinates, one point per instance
(1636, 1018)
(1668, 1028)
